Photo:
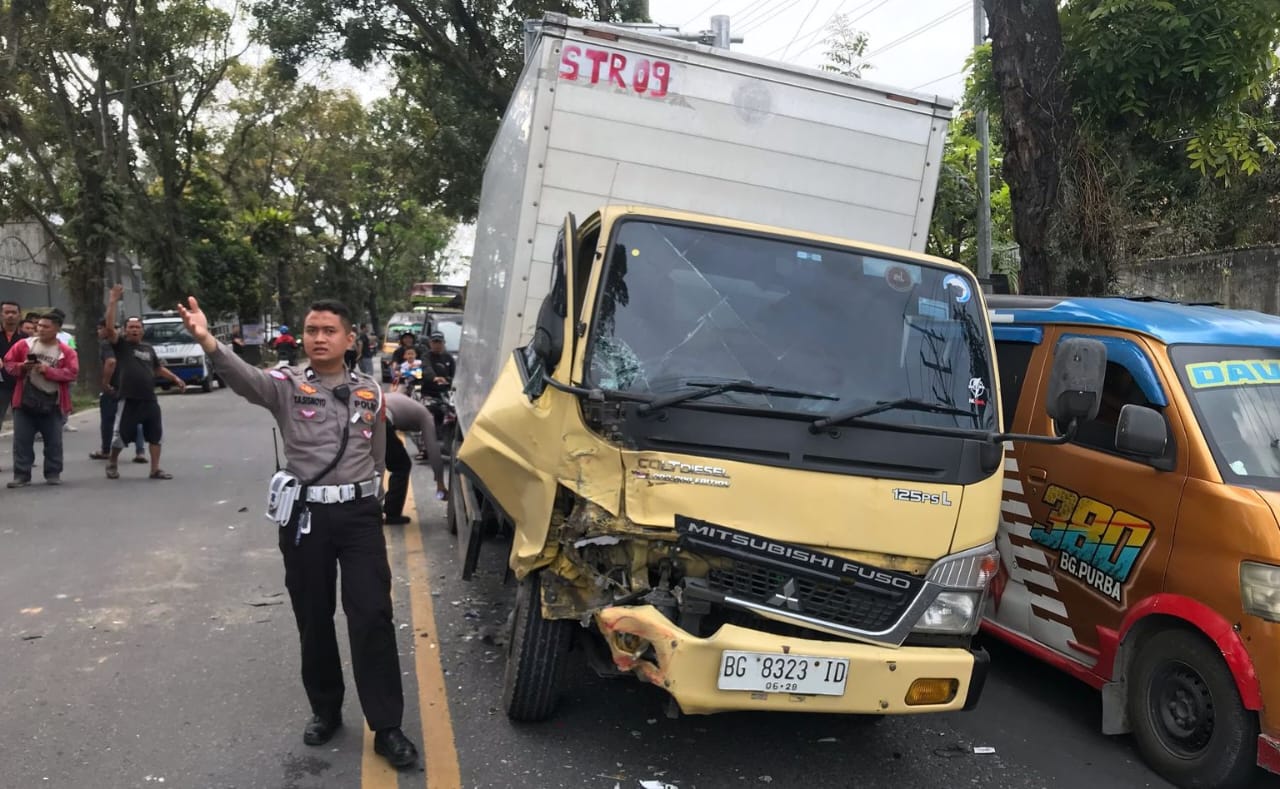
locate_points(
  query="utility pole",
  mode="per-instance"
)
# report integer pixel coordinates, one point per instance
(720, 31)
(984, 163)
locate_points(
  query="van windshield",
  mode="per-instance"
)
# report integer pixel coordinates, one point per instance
(1235, 393)
(402, 322)
(682, 304)
(168, 333)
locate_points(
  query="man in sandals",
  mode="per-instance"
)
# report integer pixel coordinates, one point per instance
(108, 403)
(334, 429)
(137, 366)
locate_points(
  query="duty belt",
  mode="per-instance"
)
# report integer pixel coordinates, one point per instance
(339, 494)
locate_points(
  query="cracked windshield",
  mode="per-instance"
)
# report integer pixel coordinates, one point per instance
(1236, 395)
(683, 307)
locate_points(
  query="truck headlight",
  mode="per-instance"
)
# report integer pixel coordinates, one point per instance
(971, 570)
(1260, 590)
(951, 612)
(964, 577)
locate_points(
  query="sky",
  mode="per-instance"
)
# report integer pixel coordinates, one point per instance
(913, 44)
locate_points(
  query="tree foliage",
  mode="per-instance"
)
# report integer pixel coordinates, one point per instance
(1171, 103)
(846, 48)
(455, 64)
(73, 70)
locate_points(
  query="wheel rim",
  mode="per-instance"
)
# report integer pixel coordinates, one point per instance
(1181, 707)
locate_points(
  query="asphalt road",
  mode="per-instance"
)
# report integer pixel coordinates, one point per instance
(146, 641)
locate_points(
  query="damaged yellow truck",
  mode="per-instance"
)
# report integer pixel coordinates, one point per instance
(758, 466)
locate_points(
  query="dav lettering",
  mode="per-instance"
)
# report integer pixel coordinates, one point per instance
(1205, 375)
(1098, 544)
(632, 73)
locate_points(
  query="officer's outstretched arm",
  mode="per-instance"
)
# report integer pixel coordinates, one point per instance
(255, 385)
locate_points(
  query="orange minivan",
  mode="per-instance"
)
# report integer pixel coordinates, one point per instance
(1143, 555)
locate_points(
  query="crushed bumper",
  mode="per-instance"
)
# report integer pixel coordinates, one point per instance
(687, 667)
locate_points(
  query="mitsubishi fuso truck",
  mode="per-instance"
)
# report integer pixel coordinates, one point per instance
(744, 437)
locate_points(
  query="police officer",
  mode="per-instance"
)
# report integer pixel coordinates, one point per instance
(334, 435)
(405, 413)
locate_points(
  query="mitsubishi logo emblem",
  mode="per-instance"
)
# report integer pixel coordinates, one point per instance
(786, 596)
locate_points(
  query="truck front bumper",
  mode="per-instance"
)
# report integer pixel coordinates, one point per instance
(644, 641)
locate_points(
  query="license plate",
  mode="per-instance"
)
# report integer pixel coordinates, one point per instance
(776, 673)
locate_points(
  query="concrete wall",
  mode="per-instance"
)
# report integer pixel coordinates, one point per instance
(1247, 279)
(32, 271)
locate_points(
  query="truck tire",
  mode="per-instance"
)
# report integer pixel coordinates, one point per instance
(1186, 713)
(537, 651)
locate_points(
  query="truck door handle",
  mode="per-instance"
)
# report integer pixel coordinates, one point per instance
(1037, 475)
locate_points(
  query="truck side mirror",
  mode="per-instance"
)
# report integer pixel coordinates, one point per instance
(548, 335)
(1075, 383)
(1141, 431)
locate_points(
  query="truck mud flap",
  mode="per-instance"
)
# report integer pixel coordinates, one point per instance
(474, 513)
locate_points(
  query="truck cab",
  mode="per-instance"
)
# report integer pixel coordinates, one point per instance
(1143, 556)
(758, 468)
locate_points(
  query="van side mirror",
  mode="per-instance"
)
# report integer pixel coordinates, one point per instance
(1075, 382)
(1141, 431)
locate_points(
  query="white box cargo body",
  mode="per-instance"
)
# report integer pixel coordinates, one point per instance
(608, 116)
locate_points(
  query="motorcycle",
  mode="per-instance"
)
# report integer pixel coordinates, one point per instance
(440, 404)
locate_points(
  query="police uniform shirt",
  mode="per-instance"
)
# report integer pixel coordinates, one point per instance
(312, 418)
(405, 413)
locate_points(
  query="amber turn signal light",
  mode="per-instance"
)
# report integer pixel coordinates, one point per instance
(931, 691)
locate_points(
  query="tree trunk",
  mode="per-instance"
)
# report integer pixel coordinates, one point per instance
(1039, 131)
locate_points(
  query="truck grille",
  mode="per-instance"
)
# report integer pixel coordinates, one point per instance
(842, 604)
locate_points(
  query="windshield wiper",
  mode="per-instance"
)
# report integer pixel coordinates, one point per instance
(710, 388)
(902, 404)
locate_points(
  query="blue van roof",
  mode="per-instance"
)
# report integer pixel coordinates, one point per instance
(1170, 322)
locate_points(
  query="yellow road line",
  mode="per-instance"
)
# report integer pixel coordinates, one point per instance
(433, 699)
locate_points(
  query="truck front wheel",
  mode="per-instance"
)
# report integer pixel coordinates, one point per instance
(1187, 715)
(537, 652)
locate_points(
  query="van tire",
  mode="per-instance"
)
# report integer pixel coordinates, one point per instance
(537, 651)
(1186, 713)
(206, 385)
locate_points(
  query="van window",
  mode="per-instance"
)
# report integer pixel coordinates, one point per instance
(1119, 389)
(1014, 358)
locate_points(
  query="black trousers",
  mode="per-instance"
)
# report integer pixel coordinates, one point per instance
(348, 536)
(399, 466)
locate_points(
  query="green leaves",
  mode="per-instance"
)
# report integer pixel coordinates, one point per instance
(1160, 67)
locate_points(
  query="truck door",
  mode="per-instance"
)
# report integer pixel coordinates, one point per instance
(1101, 522)
(515, 451)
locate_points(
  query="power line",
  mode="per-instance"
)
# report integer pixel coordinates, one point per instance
(764, 15)
(698, 15)
(822, 28)
(800, 27)
(759, 23)
(919, 30)
(939, 79)
(852, 19)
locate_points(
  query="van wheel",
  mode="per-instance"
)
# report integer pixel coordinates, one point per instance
(1186, 713)
(537, 651)
(206, 385)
